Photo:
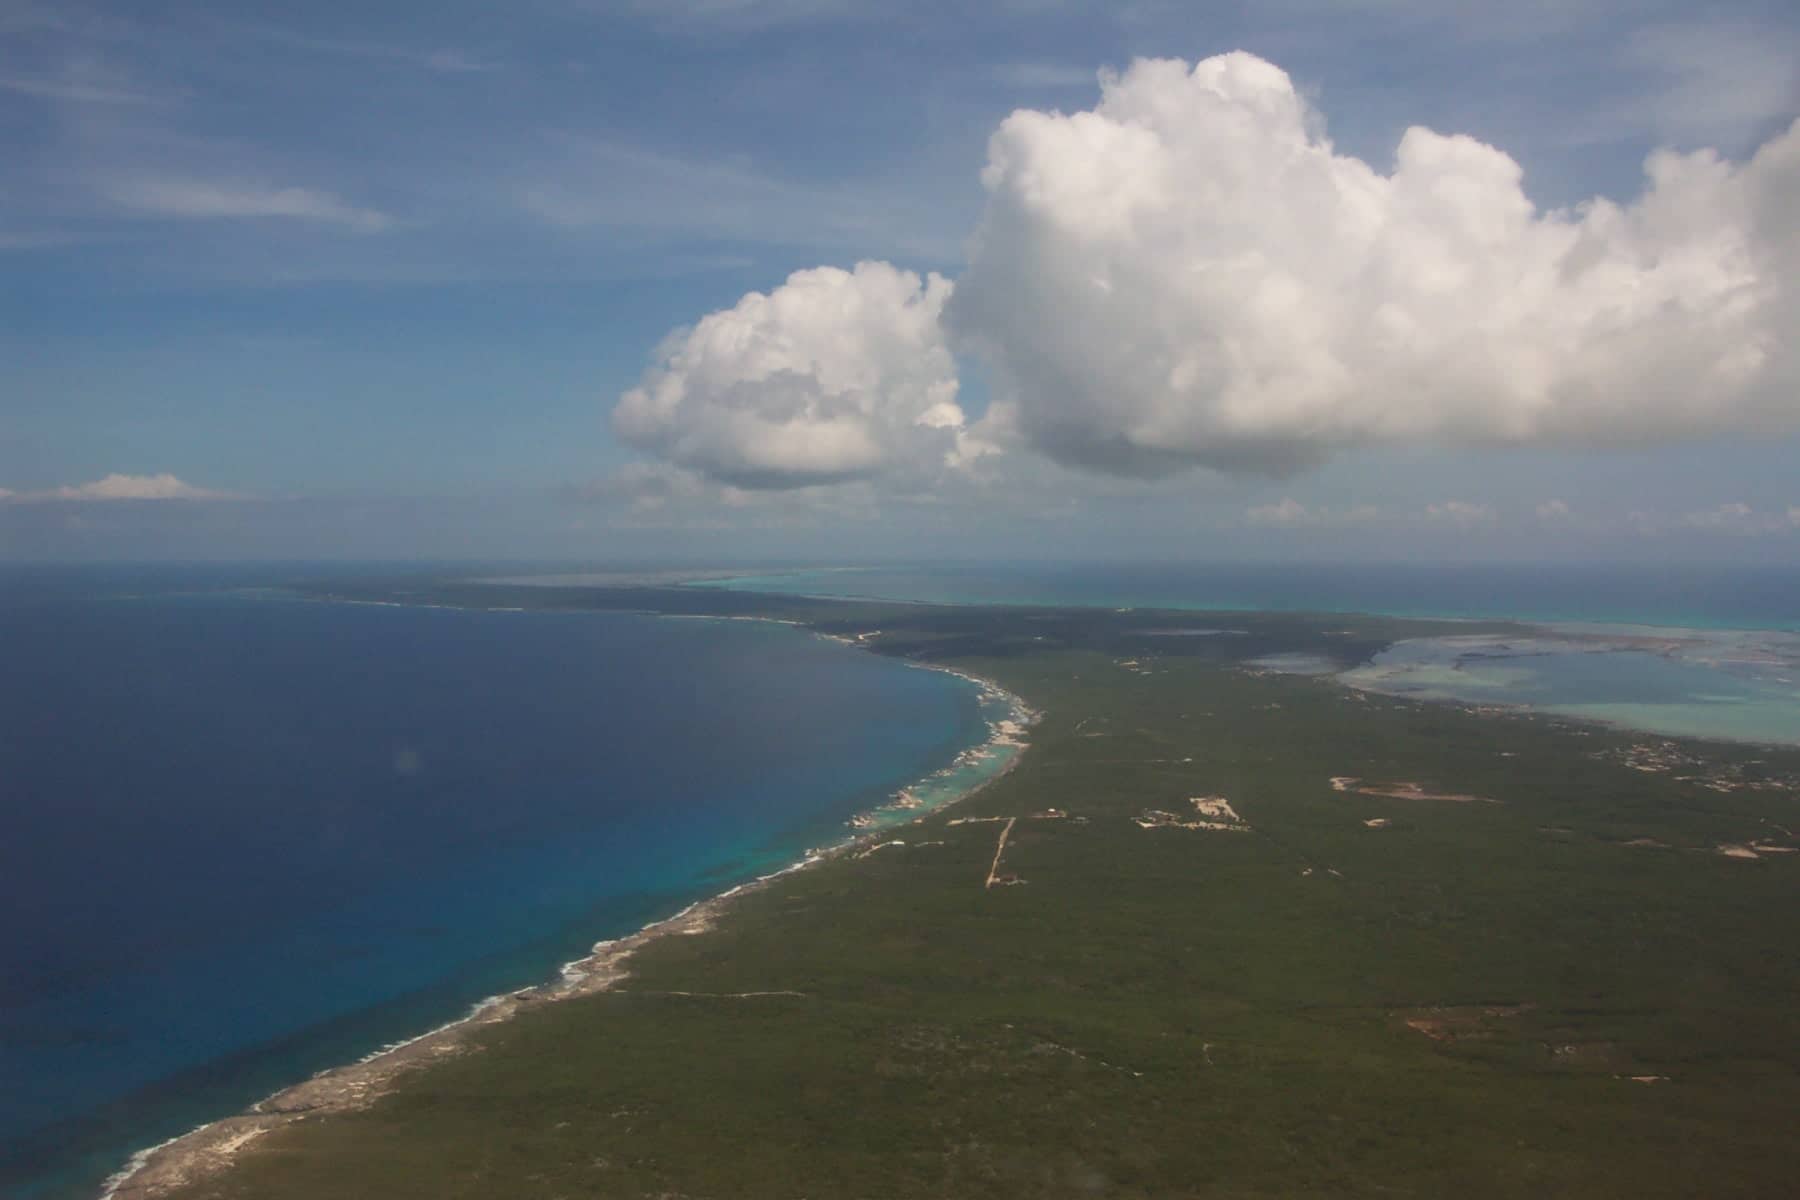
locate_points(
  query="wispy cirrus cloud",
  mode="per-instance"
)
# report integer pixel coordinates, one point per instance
(733, 16)
(441, 59)
(78, 72)
(1712, 83)
(76, 91)
(192, 198)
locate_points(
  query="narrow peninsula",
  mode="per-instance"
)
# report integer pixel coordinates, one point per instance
(1226, 930)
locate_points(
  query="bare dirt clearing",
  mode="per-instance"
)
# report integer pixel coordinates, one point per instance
(1405, 790)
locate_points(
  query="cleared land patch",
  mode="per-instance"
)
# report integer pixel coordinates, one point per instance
(993, 876)
(1215, 813)
(1402, 791)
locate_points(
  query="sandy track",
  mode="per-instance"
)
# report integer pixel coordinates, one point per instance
(994, 869)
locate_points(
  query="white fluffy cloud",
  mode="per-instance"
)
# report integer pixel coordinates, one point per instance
(121, 487)
(1190, 274)
(835, 375)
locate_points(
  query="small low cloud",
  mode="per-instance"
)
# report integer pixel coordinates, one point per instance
(189, 198)
(1459, 513)
(659, 495)
(651, 487)
(1553, 510)
(1740, 519)
(117, 487)
(1734, 516)
(1289, 513)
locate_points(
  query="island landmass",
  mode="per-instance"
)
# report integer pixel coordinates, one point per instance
(1226, 929)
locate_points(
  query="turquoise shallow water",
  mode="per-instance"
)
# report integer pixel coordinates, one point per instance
(1734, 686)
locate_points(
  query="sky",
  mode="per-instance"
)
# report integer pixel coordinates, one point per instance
(826, 280)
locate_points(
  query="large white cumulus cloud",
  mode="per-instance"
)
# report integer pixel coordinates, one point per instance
(1190, 274)
(835, 375)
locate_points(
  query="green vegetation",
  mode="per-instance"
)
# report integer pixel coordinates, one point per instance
(1454, 1003)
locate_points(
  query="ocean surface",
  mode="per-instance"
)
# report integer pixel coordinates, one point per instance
(245, 836)
(1679, 651)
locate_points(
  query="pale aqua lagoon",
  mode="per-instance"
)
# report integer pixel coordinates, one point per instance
(1736, 686)
(1681, 651)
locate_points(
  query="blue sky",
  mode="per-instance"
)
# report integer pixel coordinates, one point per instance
(369, 280)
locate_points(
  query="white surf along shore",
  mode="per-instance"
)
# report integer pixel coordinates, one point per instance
(211, 1148)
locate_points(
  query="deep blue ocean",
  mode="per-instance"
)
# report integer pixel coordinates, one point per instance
(245, 836)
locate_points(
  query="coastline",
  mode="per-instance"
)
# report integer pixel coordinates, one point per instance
(212, 1147)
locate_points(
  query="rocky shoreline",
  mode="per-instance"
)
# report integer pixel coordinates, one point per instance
(212, 1148)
